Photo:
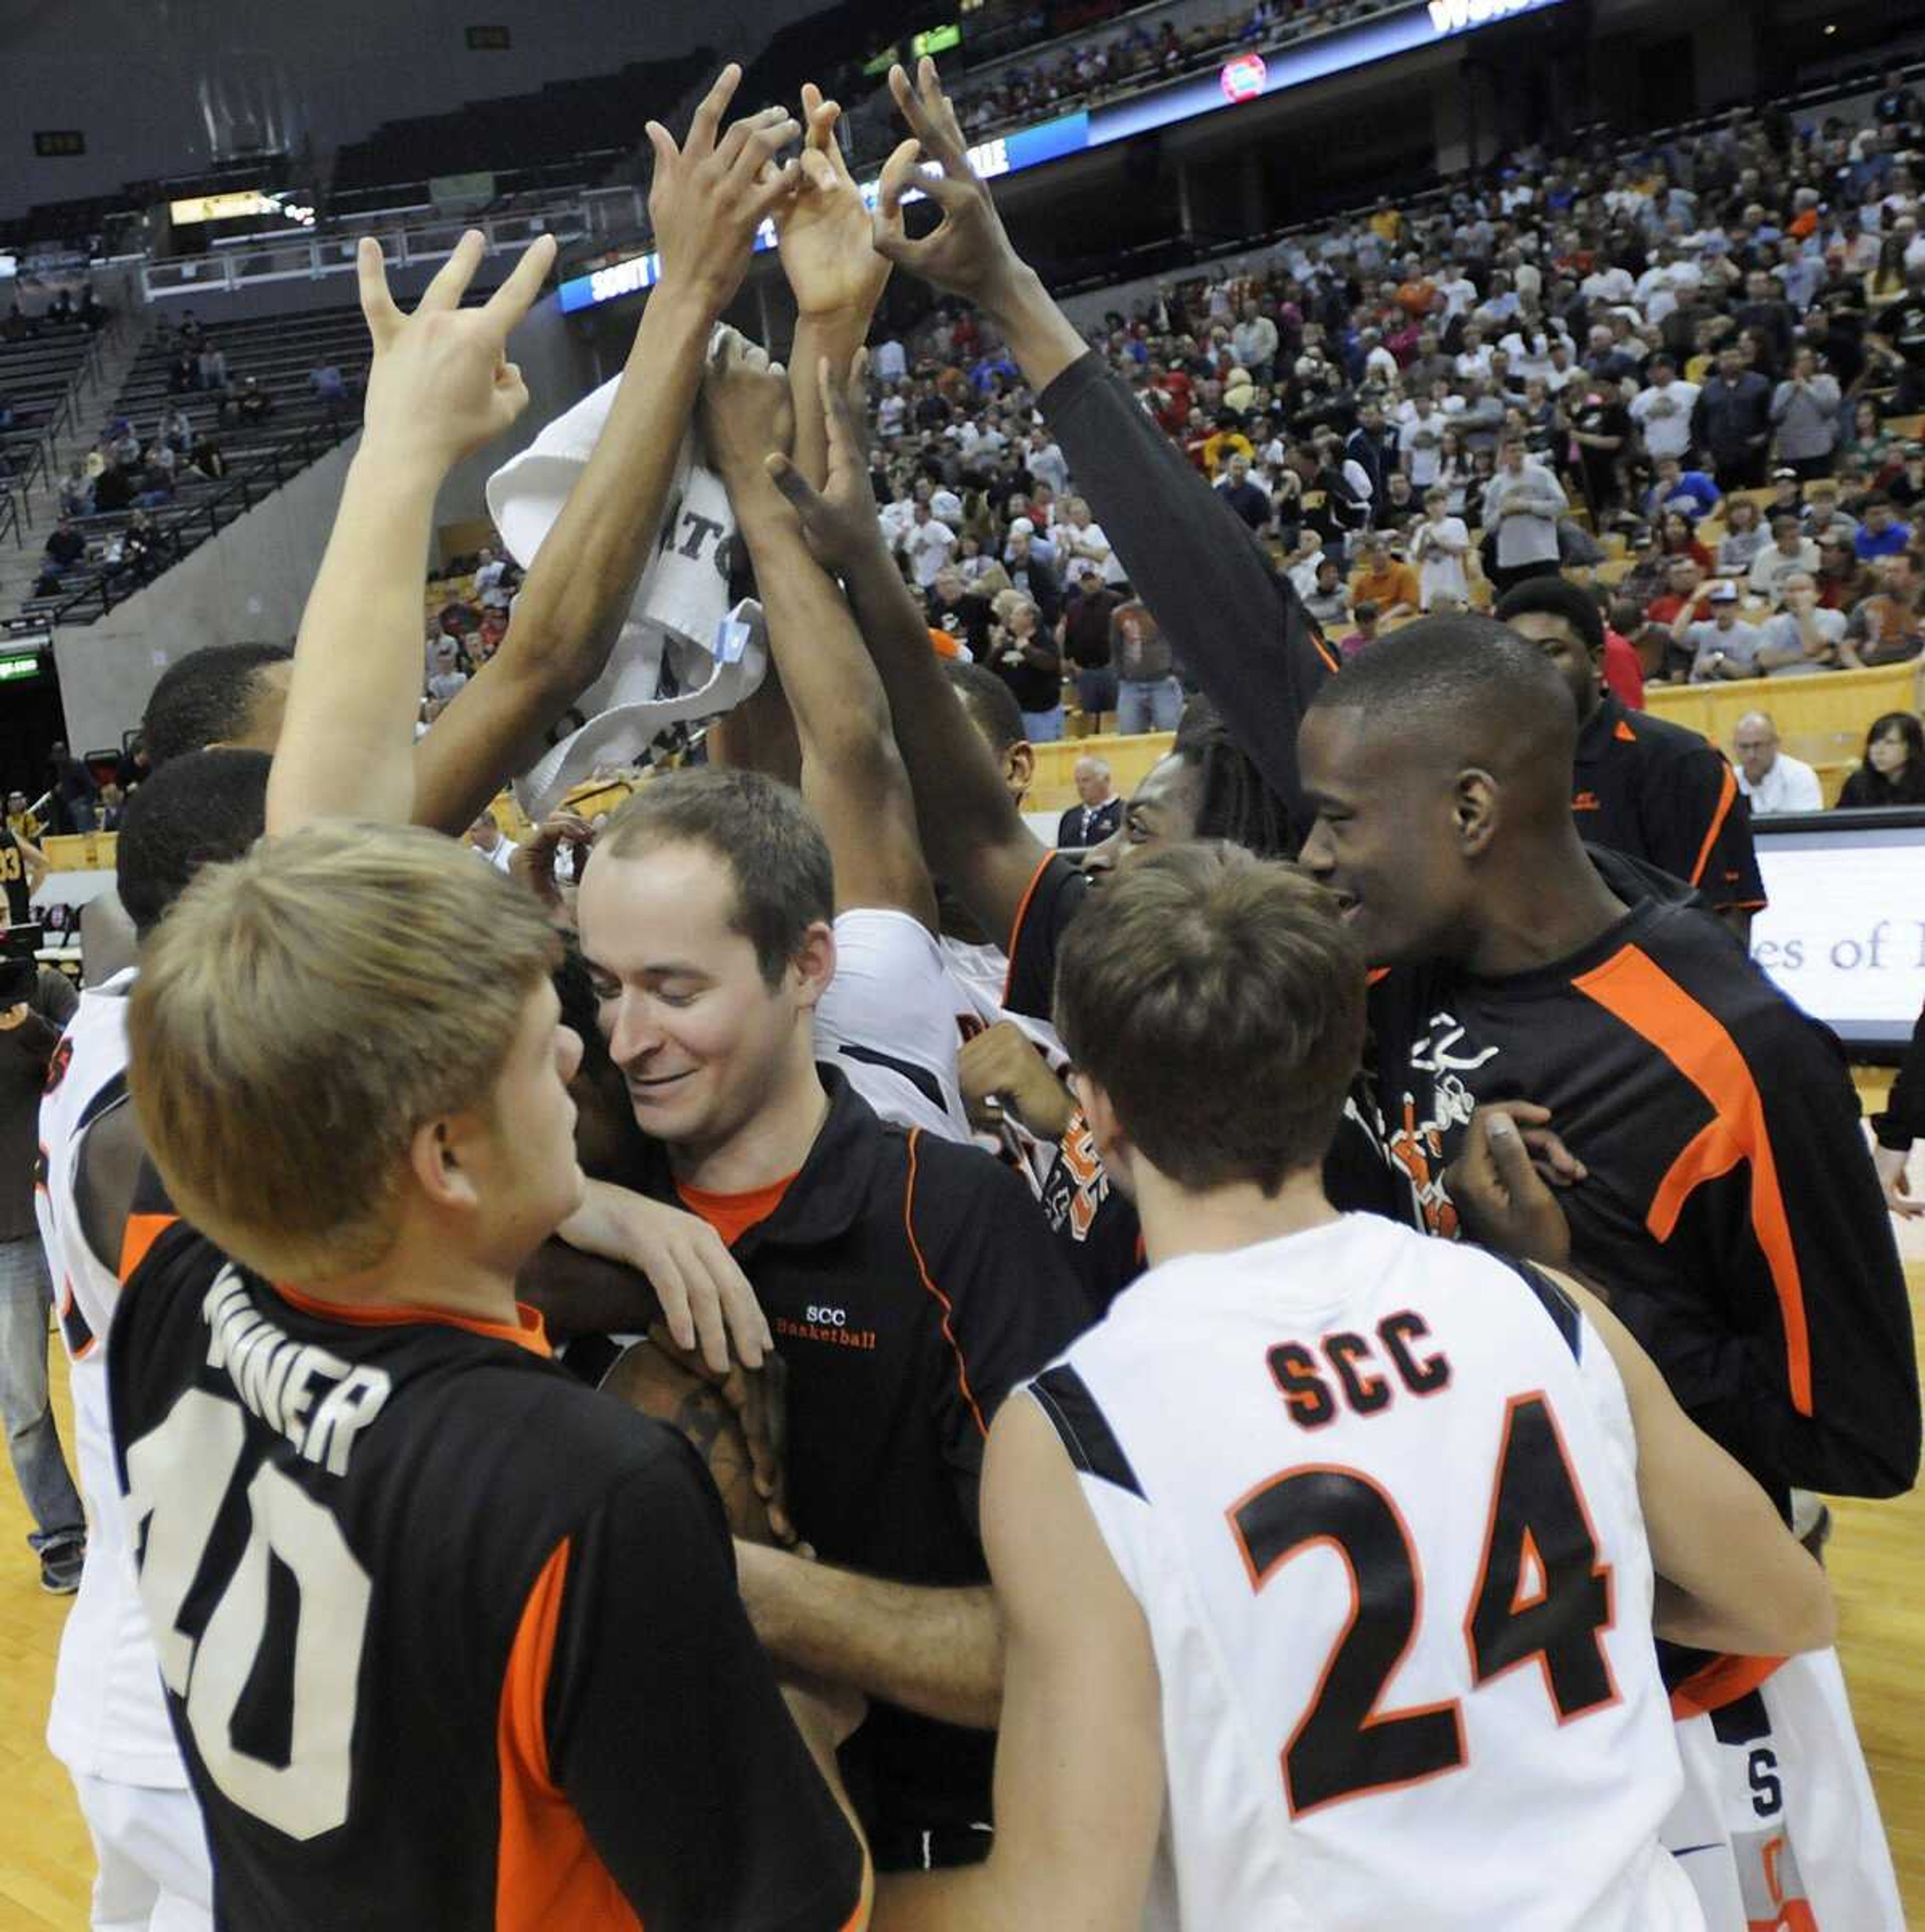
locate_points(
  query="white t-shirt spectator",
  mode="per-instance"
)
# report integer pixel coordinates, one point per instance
(928, 547)
(888, 362)
(1771, 566)
(1663, 412)
(1790, 785)
(1609, 286)
(1460, 294)
(1089, 545)
(1441, 547)
(1047, 465)
(890, 412)
(1529, 533)
(946, 507)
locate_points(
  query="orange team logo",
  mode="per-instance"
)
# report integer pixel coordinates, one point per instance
(1585, 801)
(63, 1058)
(1077, 1183)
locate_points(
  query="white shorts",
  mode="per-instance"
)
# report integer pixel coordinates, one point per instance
(889, 1021)
(1777, 1827)
(153, 1875)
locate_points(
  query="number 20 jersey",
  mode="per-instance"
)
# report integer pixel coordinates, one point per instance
(1376, 1495)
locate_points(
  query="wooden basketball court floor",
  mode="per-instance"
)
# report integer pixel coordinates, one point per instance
(1876, 1560)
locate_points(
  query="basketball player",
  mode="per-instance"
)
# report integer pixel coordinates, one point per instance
(23, 866)
(1640, 784)
(888, 1017)
(1324, 1559)
(1727, 1200)
(108, 1724)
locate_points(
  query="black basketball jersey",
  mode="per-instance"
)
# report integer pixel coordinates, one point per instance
(14, 880)
(448, 1639)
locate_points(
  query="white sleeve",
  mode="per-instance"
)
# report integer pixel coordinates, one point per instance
(890, 1020)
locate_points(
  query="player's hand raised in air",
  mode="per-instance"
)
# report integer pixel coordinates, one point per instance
(1502, 1196)
(827, 255)
(839, 519)
(969, 253)
(747, 415)
(710, 195)
(441, 386)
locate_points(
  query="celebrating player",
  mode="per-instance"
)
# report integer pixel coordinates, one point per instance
(1330, 1539)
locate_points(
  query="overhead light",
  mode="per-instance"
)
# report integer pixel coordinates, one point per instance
(1831, 26)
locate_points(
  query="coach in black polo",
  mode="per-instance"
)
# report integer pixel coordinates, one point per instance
(909, 1281)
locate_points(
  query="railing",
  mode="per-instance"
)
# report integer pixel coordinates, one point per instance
(187, 526)
(308, 258)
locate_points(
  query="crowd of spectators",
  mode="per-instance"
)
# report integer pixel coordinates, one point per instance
(1692, 374)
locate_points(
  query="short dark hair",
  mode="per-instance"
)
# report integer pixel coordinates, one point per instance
(1460, 681)
(1234, 801)
(1218, 1000)
(202, 809)
(784, 880)
(205, 697)
(990, 703)
(1553, 597)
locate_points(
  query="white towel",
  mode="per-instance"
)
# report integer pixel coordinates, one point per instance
(675, 622)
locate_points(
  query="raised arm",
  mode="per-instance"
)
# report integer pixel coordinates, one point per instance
(972, 836)
(1239, 627)
(852, 774)
(440, 387)
(706, 200)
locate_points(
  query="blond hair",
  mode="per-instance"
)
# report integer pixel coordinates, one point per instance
(301, 1012)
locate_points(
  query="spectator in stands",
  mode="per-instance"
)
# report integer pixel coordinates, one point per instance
(1745, 536)
(1721, 646)
(1149, 697)
(20, 819)
(1893, 770)
(1244, 495)
(64, 548)
(1601, 428)
(183, 373)
(926, 545)
(1907, 489)
(1881, 534)
(1662, 409)
(1098, 813)
(107, 808)
(447, 677)
(1366, 619)
(73, 790)
(1803, 637)
(1022, 654)
(1085, 638)
(1771, 780)
(330, 387)
(1887, 626)
(1732, 421)
(175, 429)
(253, 404)
(1804, 408)
(1521, 508)
(1438, 547)
(1691, 492)
(1790, 552)
(1896, 339)
(77, 491)
(1327, 599)
(211, 369)
(207, 460)
(114, 489)
(1382, 580)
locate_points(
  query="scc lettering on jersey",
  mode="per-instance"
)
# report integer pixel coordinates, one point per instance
(1417, 1146)
(1312, 1389)
(319, 1402)
(823, 1323)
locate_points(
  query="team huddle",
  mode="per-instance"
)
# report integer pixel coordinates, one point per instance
(843, 1369)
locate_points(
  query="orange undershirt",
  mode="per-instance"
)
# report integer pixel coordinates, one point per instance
(732, 1215)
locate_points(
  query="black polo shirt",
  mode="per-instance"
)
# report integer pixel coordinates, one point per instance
(911, 1283)
(1643, 786)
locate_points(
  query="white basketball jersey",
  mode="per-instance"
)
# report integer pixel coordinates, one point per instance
(108, 1719)
(888, 1020)
(1377, 1496)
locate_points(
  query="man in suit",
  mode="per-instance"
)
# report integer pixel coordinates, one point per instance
(1092, 821)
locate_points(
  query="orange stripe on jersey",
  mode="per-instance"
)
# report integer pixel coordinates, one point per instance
(1727, 793)
(922, 1270)
(142, 1231)
(1022, 913)
(1722, 1681)
(1634, 987)
(526, 1332)
(1331, 662)
(547, 1873)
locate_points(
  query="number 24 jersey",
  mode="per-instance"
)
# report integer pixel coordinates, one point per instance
(448, 1639)
(1377, 1497)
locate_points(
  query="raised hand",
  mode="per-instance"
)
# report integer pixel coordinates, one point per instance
(746, 415)
(824, 229)
(968, 254)
(839, 519)
(441, 386)
(709, 197)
